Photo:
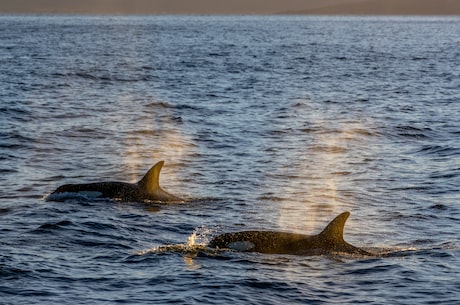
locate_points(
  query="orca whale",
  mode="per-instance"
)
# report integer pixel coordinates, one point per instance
(146, 190)
(329, 241)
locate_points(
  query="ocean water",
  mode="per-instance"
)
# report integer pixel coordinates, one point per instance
(264, 123)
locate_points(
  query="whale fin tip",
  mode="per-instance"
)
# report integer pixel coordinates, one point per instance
(151, 181)
(334, 230)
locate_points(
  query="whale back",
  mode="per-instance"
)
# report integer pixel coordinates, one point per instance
(330, 240)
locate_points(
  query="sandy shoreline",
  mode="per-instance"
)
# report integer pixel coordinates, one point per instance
(313, 7)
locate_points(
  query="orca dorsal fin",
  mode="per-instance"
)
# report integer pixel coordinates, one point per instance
(151, 180)
(334, 230)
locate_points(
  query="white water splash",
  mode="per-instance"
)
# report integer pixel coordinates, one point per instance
(197, 241)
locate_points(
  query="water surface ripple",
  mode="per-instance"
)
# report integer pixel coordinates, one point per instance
(273, 123)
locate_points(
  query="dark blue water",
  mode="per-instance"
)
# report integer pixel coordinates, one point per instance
(267, 123)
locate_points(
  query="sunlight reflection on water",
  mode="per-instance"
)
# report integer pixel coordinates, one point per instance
(273, 123)
(319, 186)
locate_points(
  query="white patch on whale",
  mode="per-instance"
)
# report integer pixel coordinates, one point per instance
(90, 194)
(241, 245)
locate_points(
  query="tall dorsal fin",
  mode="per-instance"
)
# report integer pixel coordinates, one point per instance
(334, 230)
(151, 180)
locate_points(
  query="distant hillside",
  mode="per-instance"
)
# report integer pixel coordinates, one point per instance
(333, 7)
(388, 7)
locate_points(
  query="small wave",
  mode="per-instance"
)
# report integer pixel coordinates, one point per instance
(144, 132)
(342, 173)
(414, 132)
(10, 273)
(16, 140)
(363, 132)
(271, 198)
(86, 130)
(441, 250)
(103, 77)
(438, 150)
(47, 227)
(259, 284)
(89, 76)
(446, 175)
(344, 132)
(439, 207)
(97, 226)
(330, 149)
(189, 107)
(16, 113)
(7, 170)
(4, 211)
(161, 105)
(417, 58)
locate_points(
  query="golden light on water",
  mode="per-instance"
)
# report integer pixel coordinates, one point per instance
(318, 193)
(153, 137)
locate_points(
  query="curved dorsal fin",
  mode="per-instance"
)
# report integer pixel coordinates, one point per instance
(334, 230)
(151, 180)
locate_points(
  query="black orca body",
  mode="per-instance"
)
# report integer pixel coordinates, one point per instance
(329, 241)
(146, 190)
